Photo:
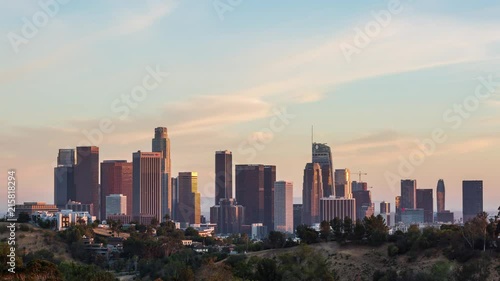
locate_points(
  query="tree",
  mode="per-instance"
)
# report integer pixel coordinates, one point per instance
(23, 217)
(307, 234)
(476, 229)
(276, 239)
(267, 270)
(154, 222)
(348, 227)
(191, 232)
(325, 231)
(376, 230)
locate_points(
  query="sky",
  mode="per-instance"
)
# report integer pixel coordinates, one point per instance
(398, 89)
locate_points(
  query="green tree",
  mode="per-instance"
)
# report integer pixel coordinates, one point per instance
(23, 217)
(307, 234)
(276, 239)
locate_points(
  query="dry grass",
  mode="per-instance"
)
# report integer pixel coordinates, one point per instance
(37, 239)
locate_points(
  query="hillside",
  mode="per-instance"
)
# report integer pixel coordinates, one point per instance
(35, 239)
(356, 262)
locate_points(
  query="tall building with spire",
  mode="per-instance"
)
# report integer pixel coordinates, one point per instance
(312, 192)
(440, 196)
(322, 154)
(161, 143)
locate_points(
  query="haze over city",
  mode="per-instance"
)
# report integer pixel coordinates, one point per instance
(254, 80)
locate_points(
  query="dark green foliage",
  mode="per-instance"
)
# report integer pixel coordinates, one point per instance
(23, 217)
(276, 240)
(392, 250)
(307, 235)
(76, 272)
(191, 232)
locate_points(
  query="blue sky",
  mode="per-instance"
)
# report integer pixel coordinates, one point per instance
(227, 74)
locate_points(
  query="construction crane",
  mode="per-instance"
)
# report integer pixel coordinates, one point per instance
(360, 174)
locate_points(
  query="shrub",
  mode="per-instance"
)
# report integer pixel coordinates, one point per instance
(392, 250)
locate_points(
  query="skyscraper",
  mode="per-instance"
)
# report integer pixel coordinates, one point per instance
(87, 178)
(331, 208)
(385, 207)
(398, 209)
(161, 143)
(385, 212)
(440, 196)
(66, 157)
(188, 208)
(116, 204)
(343, 183)
(408, 194)
(250, 191)
(312, 191)
(223, 175)
(297, 215)
(64, 187)
(322, 154)
(472, 198)
(283, 206)
(269, 185)
(116, 178)
(425, 201)
(230, 216)
(64, 182)
(147, 184)
(364, 205)
(175, 197)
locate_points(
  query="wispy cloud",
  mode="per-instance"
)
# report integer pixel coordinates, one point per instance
(127, 24)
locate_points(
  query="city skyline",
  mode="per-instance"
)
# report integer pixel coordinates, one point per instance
(370, 113)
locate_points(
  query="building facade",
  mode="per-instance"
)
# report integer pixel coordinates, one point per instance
(223, 175)
(64, 185)
(297, 215)
(269, 185)
(161, 144)
(116, 204)
(250, 191)
(364, 205)
(312, 191)
(230, 216)
(440, 196)
(76, 206)
(116, 178)
(472, 198)
(66, 157)
(331, 208)
(425, 201)
(408, 194)
(322, 154)
(283, 206)
(343, 186)
(188, 207)
(147, 184)
(87, 189)
(412, 216)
